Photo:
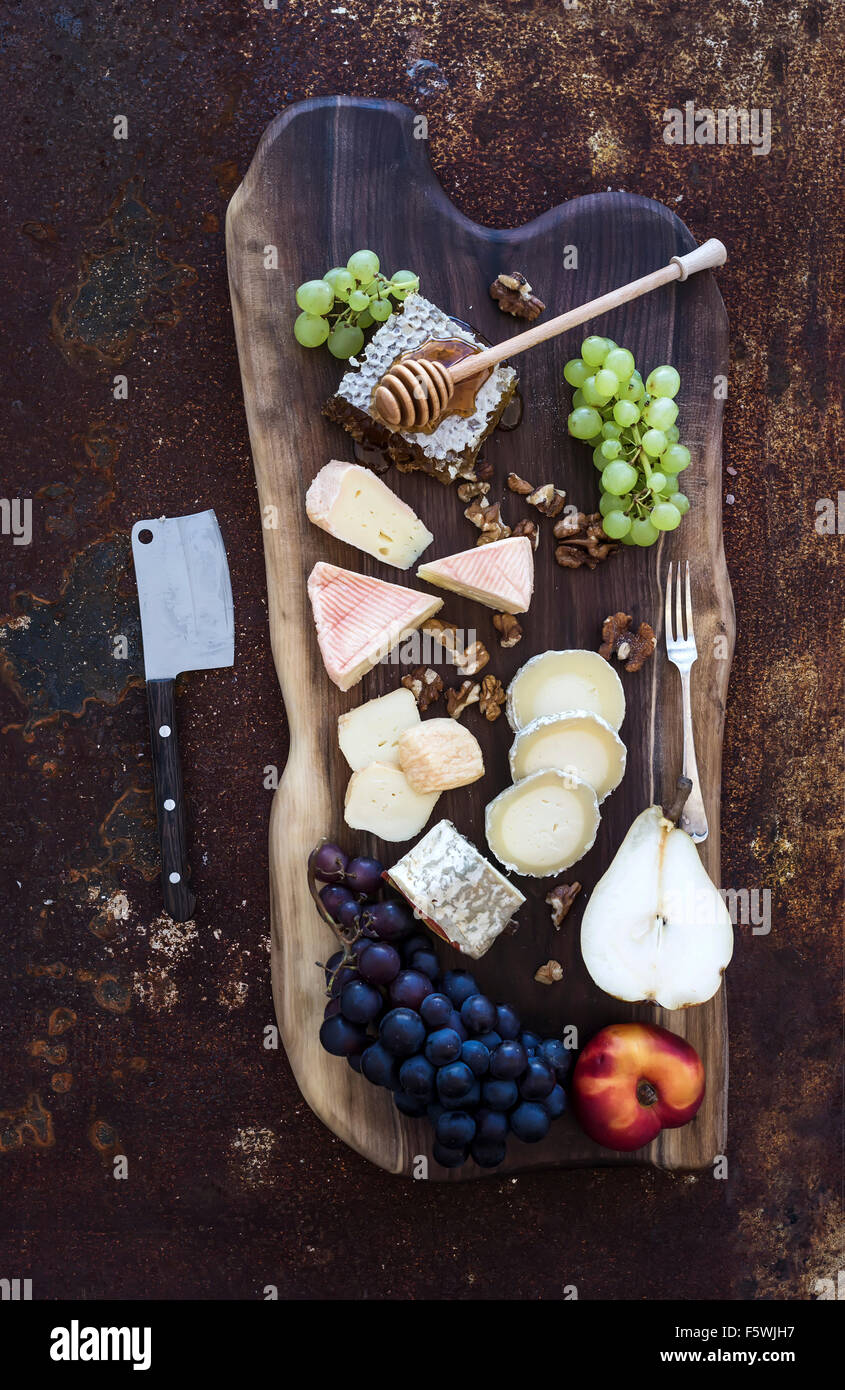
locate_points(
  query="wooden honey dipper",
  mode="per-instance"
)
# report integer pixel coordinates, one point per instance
(416, 391)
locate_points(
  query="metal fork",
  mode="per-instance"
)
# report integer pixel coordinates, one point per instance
(682, 652)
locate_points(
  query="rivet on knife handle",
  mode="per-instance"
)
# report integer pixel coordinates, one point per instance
(170, 803)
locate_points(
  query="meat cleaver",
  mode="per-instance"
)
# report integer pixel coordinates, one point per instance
(187, 624)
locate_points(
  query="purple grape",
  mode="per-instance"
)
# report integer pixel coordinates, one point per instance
(436, 1010)
(499, 1095)
(409, 1105)
(448, 1158)
(402, 1032)
(455, 1128)
(389, 921)
(507, 1023)
(417, 941)
(508, 1061)
(476, 1056)
(455, 1021)
(454, 1081)
(363, 876)
(354, 1060)
(554, 1103)
(491, 1040)
(488, 1153)
(332, 1008)
(459, 985)
(529, 1122)
(328, 863)
(426, 963)
(478, 1014)
(443, 1046)
(558, 1056)
(492, 1125)
(416, 1076)
(340, 1037)
(349, 915)
(360, 1002)
(380, 1067)
(537, 1080)
(410, 988)
(379, 963)
(531, 1042)
(334, 898)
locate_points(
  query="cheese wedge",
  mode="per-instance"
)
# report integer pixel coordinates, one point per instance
(355, 506)
(500, 574)
(360, 619)
(380, 799)
(371, 733)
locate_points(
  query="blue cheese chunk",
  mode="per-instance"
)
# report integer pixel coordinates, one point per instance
(455, 890)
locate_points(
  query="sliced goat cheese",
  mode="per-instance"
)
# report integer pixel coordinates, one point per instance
(543, 824)
(578, 742)
(455, 890)
(360, 619)
(380, 799)
(438, 754)
(370, 733)
(355, 506)
(500, 574)
(554, 682)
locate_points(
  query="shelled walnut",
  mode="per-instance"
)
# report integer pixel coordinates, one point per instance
(458, 698)
(508, 626)
(467, 491)
(547, 499)
(549, 974)
(513, 293)
(489, 522)
(445, 634)
(529, 529)
(492, 698)
(632, 648)
(474, 659)
(425, 685)
(519, 485)
(583, 541)
(560, 900)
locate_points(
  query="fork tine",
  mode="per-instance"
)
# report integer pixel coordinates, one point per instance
(680, 635)
(668, 614)
(690, 633)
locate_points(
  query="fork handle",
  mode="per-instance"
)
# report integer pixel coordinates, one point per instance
(694, 818)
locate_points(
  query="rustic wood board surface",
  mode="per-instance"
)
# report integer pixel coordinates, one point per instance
(364, 180)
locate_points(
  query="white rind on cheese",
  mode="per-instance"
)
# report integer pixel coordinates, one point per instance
(500, 575)
(577, 741)
(543, 824)
(356, 506)
(439, 754)
(456, 890)
(360, 619)
(556, 681)
(419, 321)
(370, 733)
(380, 799)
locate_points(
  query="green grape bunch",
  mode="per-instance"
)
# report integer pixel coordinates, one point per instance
(337, 309)
(630, 426)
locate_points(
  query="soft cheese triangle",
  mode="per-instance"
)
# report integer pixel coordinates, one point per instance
(500, 574)
(355, 506)
(360, 619)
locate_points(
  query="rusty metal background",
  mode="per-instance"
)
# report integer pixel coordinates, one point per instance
(121, 1033)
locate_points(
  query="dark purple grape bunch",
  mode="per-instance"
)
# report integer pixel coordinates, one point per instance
(444, 1049)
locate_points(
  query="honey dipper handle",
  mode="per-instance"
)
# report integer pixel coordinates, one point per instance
(710, 253)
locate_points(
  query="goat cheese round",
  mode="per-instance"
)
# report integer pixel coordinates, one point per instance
(577, 742)
(555, 682)
(543, 824)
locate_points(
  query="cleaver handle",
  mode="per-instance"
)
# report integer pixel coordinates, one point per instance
(170, 801)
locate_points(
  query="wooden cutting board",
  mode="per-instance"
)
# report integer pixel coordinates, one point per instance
(333, 175)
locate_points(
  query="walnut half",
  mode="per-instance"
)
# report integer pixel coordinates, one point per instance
(492, 698)
(460, 697)
(549, 974)
(632, 648)
(560, 900)
(425, 685)
(507, 625)
(513, 294)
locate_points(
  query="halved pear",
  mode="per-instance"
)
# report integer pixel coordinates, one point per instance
(543, 824)
(553, 682)
(655, 927)
(577, 741)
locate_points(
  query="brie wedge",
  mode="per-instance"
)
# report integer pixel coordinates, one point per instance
(500, 574)
(360, 619)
